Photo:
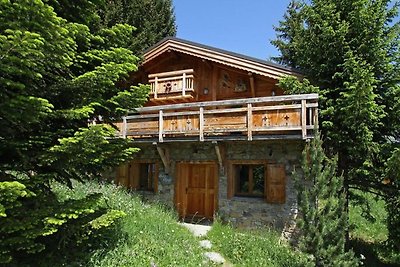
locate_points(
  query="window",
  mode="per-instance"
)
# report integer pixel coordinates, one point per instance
(138, 175)
(257, 178)
(249, 180)
(147, 173)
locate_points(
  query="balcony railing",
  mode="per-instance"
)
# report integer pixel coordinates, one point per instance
(172, 84)
(276, 117)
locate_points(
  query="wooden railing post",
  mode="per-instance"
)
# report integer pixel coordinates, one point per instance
(124, 127)
(249, 122)
(160, 126)
(155, 86)
(183, 84)
(201, 124)
(303, 119)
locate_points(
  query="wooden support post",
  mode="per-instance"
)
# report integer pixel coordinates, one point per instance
(252, 88)
(124, 127)
(249, 122)
(316, 118)
(155, 86)
(220, 152)
(303, 119)
(183, 84)
(164, 155)
(201, 124)
(160, 127)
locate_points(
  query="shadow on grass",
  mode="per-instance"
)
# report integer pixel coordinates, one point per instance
(373, 253)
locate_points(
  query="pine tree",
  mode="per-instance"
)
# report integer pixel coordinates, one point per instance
(321, 204)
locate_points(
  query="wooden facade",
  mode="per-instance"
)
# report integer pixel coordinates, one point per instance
(201, 94)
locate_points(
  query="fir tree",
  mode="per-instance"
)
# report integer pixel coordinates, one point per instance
(350, 50)
(55, 77)
(321, 203)
(152, 19)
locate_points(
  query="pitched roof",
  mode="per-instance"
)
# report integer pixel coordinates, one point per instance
(250, 64)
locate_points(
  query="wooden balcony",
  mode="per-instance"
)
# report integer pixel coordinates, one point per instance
(262, 118)
(172, 86)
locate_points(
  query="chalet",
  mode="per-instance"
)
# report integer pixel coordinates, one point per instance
(218, 137)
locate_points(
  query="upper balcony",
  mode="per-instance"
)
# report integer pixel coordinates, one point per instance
(172, 86)
(259, 118)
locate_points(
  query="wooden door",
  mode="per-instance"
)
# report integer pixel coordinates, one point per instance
(196, 189)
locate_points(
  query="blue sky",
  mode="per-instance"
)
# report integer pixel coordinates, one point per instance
(241, 26)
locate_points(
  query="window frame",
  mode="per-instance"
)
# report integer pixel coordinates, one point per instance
(132, 179)
(232, 182)
(250, 191)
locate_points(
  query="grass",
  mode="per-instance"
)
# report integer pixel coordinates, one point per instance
(253, 248)
(369, 231)
(148, 234)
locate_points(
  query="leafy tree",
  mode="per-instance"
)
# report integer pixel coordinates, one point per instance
(350, 50)
(56, 76)
(321, 201)
(153, 20)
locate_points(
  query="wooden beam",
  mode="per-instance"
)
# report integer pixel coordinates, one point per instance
(160, 126)
(124, 127)
(164, 155)
(242, 101)
(249, 122)
(220, 152)
(201, 124)
(303, 119)
(171, 73)
(252, 88)
(155, 87)
(183, 84)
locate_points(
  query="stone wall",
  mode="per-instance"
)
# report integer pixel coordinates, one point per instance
(240, 211)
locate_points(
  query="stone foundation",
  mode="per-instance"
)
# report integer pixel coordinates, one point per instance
(240, 211)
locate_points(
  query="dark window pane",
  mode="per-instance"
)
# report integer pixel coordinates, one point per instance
(242, 178)
(258, 179)
(249, 180)
(147, 172)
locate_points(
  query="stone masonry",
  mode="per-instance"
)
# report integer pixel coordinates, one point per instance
(240, 211)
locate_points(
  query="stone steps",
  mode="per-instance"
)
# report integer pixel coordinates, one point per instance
(201, 231)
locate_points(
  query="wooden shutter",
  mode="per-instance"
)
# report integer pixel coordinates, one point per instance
(135, 175)
(122, 177)
(275, 184)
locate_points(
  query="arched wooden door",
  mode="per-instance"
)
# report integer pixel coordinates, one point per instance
(196, 189)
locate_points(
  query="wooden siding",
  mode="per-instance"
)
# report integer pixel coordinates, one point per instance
(205, 80)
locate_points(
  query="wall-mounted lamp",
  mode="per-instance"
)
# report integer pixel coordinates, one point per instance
(205, 91)
(273, 93)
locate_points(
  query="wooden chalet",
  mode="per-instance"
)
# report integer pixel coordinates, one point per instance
(217, 135)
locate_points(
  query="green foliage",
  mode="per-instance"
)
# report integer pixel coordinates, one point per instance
(393, 200)
(368, 232)
(254, 248)
(153, 20)
(322, 206)
(350, 50)
(147, 234)
(56, 76)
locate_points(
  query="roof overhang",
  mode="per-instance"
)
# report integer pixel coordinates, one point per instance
(249, 64)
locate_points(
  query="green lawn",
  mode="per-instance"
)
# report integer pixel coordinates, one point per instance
(254, 247)
(148, 234)
(369, 232)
